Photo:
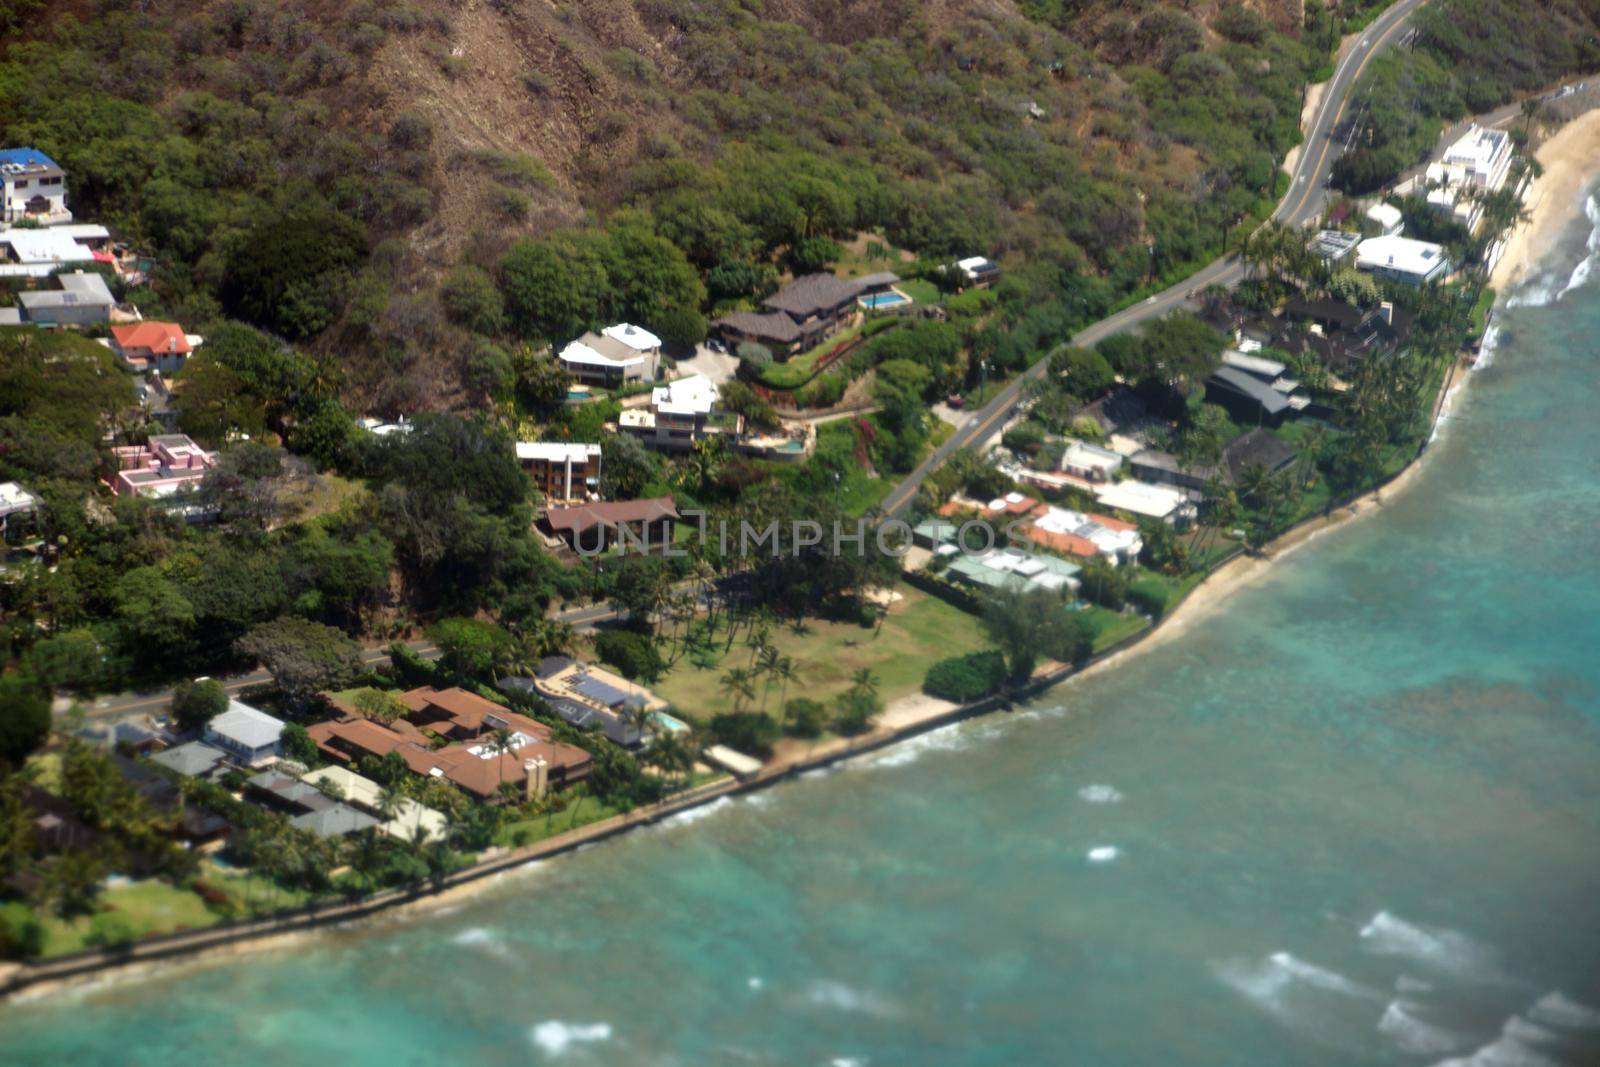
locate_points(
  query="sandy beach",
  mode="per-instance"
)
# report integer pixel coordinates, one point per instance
(1570, 157)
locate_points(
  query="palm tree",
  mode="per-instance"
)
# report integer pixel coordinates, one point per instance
(502, 742)
(767, 665)
(786, 673)
(736, 683)
(864, 682)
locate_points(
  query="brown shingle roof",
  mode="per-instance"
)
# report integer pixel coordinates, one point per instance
(610, 514)
(812, 293)
(773, 326)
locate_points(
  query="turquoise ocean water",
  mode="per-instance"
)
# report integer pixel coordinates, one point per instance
(1351, 818)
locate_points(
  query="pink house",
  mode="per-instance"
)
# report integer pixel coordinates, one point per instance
(164, 465)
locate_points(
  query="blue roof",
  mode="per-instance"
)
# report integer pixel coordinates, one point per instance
(25, 156)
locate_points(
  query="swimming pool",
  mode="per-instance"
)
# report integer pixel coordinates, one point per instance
(880, 301)
(668, 723)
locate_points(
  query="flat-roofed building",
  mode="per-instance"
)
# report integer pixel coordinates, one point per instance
(162, 466)
(1402, 259)
(563, 472)
(81, 299)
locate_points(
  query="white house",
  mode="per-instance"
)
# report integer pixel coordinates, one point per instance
(1482, 158)
(1090, 462)
(564, 471)
(680, 413)
(1142, 498)
(32, 186)
(617, 354)
(1388, 218)
(1402, 259)
(251, 737)
(978, 271)
(36, 253)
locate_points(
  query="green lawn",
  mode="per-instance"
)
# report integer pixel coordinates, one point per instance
(921, 290)
(149, 907)
(920, 629)
(1111, 626)
(527, 831)
(797, 370)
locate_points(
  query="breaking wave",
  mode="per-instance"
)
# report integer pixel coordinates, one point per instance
(1557, 1009)
(556, 1037)
(1411, 1034)
(1103, 853)
(1503, 1051)
(1100, 794)
(1268, 982)
(1442, 949)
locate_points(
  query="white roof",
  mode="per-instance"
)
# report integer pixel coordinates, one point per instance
(1269, 368)
(1478, 147)
(14, 499)
(635, 337)
(1141, 498)
(1402, 254)
(1385, 215)
(365, 793)
(1080, 454)
(695, 395)
(45, 246)
(246, 725)
(555, 451)
(737, 762)
(974, 262)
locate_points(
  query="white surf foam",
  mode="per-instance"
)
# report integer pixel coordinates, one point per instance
(1535, 294)
(1387, 934)
(945, 739)
(556, 1037)
(683, 818)
(1103, 853)
(755, 982)
(1100, 794)
(1558, 1009)
(1486, 347)
(1407, 984)
(1267, 982)
(1411, 1034)
(1529, 1033)
(1503, 1051)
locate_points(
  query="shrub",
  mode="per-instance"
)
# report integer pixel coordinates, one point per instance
(110, 929)
(805, 717)
(751, 732)
(1150, 596)
(631, 654)
(964, 679)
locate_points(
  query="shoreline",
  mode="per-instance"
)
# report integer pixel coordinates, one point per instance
(906, 718)
(1570, 158)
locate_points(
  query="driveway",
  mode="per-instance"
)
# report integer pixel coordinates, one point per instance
(714, 365)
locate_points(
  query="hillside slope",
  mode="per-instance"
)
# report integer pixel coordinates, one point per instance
(315, 167)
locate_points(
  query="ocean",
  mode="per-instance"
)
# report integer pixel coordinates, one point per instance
(1352, 817)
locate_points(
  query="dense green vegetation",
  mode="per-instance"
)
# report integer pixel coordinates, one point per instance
(1470, 56)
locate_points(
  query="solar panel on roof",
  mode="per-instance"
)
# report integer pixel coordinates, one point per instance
(595, 689)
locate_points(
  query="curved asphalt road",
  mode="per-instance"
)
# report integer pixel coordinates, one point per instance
(1302, 204)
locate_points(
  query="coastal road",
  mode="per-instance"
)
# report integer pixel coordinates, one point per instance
(1303, 203)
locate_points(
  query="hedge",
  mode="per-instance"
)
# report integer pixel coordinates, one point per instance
(964, 679)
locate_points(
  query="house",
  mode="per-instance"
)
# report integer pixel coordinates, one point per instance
(561, 471)
(593, 698)
(1119, 412)
(803, 313)
(681, 413)
(1340, 335)
(159, 346)
(978, 272)
(32, 186)
(82, 300)
(1090, 463)
(1402, 259)
(616, 355)
(26, 252)
(308, 807)
(161, 467)
(1246, 397)
(250, 737)
(1075, 533)
(408, 818)
(1481, 158)
(1150, 501)
(1387, 219)
(1334, 247)
(471, 757)
(379, 428)
(1159, 467)
(1011, 568)
(1256, 448)
(196, 759)
(14, 501)
(591, 527)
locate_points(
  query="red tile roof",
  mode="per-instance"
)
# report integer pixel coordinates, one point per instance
(1071, 544)
(159, 337)
(614, 513)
